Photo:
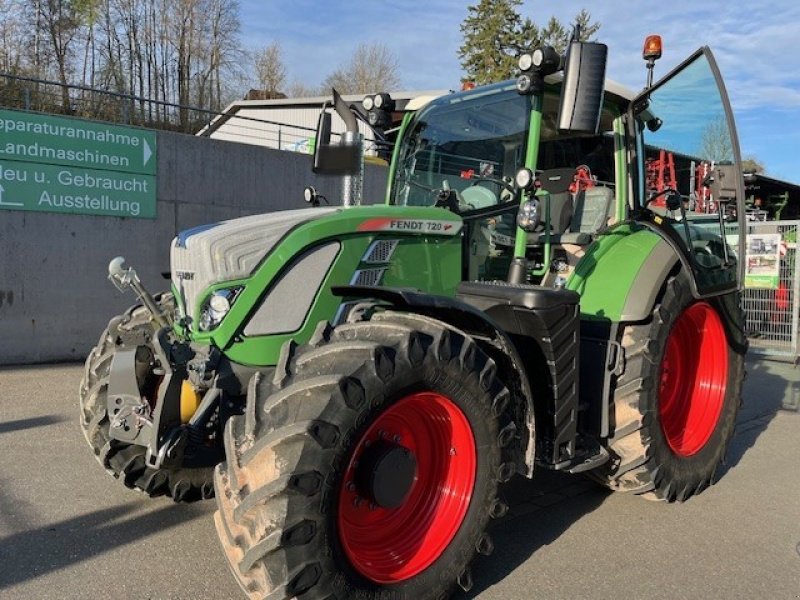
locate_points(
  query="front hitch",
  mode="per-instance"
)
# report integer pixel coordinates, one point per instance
(123, 278)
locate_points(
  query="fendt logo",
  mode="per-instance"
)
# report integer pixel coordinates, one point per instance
(435, 227)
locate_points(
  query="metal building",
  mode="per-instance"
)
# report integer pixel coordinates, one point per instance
(290, 123)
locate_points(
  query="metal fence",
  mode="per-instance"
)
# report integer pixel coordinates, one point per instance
(772, 287)
(52, 97)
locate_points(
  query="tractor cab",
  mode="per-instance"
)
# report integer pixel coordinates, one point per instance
(666, 160)
(463, 152)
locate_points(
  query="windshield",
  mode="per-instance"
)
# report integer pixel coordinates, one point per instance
(469, 142)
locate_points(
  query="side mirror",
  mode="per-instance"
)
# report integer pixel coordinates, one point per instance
(583, 87)
(323, 128)
(333, 159)
(673, 200)
(343, 158)
(723, 183)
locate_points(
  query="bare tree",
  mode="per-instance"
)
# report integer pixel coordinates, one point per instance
(11, 32)
(752, 164)
(270, 68)
(174, 51)
(60, 21)
(372, 68)
(298, 89)
(715, 143)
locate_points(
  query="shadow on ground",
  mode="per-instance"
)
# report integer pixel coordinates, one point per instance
(20, 424)
(540, 511)
(544, 508)
(771, 387)
(37, 552)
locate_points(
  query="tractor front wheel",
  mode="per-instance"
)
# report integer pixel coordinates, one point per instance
(368, 467)
(127, 461)
(674, 408)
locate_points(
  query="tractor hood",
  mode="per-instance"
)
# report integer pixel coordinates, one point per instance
(227, 251)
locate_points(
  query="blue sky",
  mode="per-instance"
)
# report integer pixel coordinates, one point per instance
(755, 46)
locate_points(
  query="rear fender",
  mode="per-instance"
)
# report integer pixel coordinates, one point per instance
(620, 276)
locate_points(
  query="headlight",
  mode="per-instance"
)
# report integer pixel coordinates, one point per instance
(528, 215)
(216, 306)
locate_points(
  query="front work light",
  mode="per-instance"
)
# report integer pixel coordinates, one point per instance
(524, 179)
(528, 215)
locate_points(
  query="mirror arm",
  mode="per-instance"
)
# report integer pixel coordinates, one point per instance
(378, 133)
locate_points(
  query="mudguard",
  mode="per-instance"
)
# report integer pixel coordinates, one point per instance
(477, 324)
(621, 274)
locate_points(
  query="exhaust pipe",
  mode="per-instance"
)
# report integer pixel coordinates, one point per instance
(352, 185)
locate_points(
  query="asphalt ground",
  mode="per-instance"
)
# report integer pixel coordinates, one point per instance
(68, 530)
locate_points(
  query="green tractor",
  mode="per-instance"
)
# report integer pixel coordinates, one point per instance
(354, 384)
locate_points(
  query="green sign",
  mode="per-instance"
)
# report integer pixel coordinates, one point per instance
(58, 164)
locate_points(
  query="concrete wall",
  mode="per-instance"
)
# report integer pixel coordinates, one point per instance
(54, 296)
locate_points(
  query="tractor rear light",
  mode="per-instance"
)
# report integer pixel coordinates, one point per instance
(652, 47)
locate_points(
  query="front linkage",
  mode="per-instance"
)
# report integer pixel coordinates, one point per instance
(152, 404)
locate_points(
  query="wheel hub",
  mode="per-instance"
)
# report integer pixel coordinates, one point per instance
(407, 487)
(694, 374)
(386, 473)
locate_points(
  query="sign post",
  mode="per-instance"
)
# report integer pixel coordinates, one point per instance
(66, 165)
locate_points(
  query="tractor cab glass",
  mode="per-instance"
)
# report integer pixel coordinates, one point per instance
(472, 143)
(462, 152)
(688, 147)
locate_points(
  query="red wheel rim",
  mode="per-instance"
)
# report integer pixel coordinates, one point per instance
(391, 545)
(694, 377)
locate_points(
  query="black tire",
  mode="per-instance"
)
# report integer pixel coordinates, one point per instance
(278, 493)
(643, 461)
(127, 461)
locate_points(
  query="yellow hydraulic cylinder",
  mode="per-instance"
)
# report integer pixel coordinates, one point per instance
(190, 400)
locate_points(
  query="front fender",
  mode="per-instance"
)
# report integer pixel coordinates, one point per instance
(485, 332)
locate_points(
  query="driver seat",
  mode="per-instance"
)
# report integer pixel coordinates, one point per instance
(573, 220)
(556, 182)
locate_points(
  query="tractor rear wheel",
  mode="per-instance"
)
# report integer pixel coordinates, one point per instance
(368, 467)
(121, 460)
(674, 408)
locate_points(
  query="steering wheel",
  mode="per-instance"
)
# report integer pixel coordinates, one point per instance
(503, 183)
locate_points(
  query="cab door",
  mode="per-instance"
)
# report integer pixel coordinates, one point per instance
(690, 186)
